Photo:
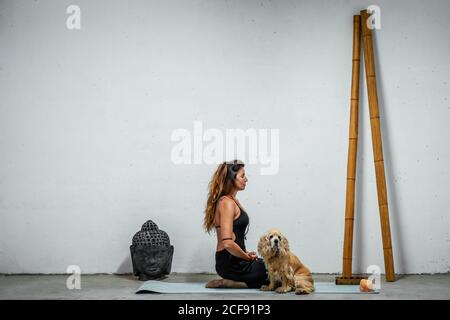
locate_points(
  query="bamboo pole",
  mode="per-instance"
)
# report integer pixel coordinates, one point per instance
(377, 146)
(352, 150)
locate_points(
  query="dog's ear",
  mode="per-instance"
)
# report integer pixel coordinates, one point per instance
(262, 243)
(284, 242)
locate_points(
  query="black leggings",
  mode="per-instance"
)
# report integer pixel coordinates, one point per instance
(253, 273)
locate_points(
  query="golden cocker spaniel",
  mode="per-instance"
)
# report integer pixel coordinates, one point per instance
(286, 272)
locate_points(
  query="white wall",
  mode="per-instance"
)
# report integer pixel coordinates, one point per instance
(86, 118)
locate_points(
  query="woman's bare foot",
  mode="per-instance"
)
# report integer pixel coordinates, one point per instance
(234, 284)
(225, 283)
(215, 283)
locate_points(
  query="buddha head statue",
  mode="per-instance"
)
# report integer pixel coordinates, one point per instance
(151, 252)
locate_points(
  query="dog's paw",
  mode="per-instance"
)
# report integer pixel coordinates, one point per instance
(283, 289)
(304, 290)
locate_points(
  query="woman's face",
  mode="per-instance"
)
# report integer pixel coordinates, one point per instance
(241, 180)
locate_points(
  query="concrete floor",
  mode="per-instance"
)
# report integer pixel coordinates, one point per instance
(123, 286)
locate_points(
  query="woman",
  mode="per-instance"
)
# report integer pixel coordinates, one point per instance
(224, 213)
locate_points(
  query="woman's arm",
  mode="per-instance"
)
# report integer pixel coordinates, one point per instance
(226, 214)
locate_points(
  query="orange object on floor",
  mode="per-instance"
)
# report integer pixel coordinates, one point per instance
(366, 285)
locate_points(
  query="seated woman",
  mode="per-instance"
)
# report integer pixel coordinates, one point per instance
(237, 267)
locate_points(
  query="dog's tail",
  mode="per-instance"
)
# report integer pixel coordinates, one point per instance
(304, 284)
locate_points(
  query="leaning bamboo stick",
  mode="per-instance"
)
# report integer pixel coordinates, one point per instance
(352, 151)
(377, 146)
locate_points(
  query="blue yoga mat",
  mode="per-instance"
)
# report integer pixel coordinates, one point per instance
(154, 286)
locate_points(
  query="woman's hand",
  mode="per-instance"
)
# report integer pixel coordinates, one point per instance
(252, 255)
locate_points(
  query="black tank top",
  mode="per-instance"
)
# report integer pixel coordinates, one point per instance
(240, 228)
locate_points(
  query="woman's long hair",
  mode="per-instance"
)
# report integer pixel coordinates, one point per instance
(220, 185)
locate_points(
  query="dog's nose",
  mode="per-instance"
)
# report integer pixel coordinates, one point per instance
(275, 241)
